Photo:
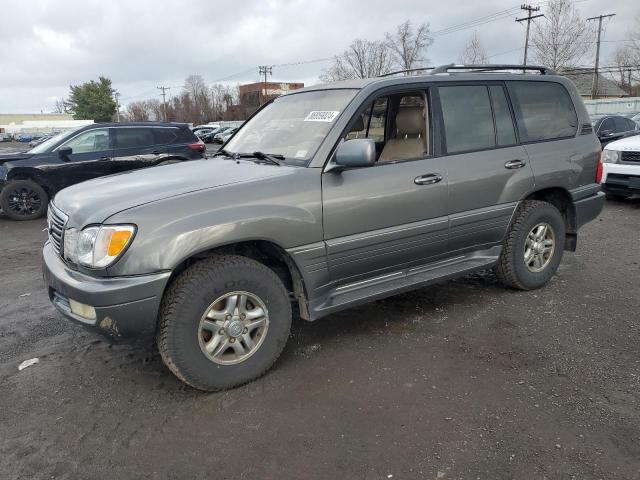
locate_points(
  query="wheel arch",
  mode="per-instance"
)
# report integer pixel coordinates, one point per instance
(33, 174)
(561, 199)
(263, 251)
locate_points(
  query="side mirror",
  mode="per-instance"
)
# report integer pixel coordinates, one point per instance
(359, 152)
(64, 152)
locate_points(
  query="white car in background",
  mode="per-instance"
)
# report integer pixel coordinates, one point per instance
(224, 136)
(621, 167)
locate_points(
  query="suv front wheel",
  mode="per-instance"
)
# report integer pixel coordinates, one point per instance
(533, 247)
(223, 322)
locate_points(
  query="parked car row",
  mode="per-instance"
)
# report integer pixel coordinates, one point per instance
(28, 180)
(214, 134)
(327, 198)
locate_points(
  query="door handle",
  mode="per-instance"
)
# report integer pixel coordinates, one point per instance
(428, 179)
(156, 152)
(512, 164)
(104, 158)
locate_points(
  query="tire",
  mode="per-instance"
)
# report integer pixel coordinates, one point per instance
(182, 338)
(23, 200)
(512, 268)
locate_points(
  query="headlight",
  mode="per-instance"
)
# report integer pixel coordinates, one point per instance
(97, 247)
(610, 156)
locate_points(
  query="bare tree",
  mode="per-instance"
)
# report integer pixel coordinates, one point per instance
(144, 110)
(363, 59)
(60, 106)
(474, 52)
(623, 64)
(408, 45)
(559, 39)
(137, 112)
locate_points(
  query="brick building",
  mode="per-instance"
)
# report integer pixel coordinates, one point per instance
(252, 95)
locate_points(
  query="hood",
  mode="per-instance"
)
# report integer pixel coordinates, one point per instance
(627, 144)
(96, 200)
(14, 157)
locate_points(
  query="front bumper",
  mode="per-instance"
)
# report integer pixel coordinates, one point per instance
(621, 178)
(126, 307)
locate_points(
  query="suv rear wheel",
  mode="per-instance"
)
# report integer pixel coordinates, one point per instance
(23, 200)
(223, 322)
(533, 248)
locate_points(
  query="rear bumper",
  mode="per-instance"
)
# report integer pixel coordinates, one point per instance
(588, 208)
(125, 307)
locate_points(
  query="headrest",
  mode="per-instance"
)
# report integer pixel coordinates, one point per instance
(410, 121)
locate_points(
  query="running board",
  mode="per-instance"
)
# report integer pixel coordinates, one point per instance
(365, 291)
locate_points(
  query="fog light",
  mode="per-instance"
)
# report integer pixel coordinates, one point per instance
(82, 310)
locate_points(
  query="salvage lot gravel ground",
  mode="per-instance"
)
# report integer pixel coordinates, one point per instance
(461, 380)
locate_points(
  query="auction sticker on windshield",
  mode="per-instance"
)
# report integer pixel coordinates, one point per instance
(321, 116)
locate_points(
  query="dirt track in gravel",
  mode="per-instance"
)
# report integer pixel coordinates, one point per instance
(461, 380)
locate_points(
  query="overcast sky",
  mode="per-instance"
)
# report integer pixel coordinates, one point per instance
(47, 45)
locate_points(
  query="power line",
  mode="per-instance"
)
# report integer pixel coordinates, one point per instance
(594, 85)
(476, 22)
(528, 19)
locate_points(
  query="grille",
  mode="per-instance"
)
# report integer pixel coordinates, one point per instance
(631, 157)
(56, 221)
(586, 129)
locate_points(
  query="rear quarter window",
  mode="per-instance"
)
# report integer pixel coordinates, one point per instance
(165, 136)
(544, 110)
(186, 136)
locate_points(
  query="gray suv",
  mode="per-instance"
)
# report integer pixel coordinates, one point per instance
(326, 198)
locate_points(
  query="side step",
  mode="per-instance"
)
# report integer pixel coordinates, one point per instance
(358, 293)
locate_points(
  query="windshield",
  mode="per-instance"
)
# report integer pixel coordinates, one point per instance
(49, 144)
(292, 125)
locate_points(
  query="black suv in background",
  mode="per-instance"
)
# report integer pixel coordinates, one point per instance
(29, 179)
(609, 128)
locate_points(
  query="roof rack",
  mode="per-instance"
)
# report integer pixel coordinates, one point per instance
(492, 68)
(406, 71)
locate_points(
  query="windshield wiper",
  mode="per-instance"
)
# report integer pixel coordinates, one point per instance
(226, 153)
(275, 158)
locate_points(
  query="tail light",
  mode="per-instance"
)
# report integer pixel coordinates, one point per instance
(198, 147)
(599, 169)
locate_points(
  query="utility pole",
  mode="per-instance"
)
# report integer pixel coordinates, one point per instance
(164, 100)
(528, 19)
(594, 84)
(116, 94)
(264, 70)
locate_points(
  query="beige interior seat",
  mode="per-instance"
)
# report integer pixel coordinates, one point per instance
(409, 140)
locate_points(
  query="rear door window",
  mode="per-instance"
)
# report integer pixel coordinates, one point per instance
(544, 110)
(468, 119)
(133, 137)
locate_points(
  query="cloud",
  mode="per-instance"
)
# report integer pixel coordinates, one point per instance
(48, 45)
